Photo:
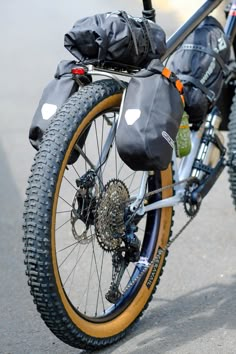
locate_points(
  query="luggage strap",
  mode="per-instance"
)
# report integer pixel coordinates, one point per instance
(148, 39)
(187, 78)
(168, 74)
(208, 51)
(130, 25)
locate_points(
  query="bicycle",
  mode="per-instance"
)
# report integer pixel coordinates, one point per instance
(89, 284)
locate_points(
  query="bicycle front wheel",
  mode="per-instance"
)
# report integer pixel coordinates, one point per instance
(232, 148)
(74, 214)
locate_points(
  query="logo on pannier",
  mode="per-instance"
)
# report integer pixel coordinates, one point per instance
(221, 44)
(132, 115)
(168, 139)
(209, 71)
(48, 110)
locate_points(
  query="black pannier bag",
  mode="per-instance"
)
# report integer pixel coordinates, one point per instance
(200, 65)
(54, 96)
(149, 119)
(115, 37)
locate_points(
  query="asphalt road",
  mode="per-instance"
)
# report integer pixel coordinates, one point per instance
(194, 308)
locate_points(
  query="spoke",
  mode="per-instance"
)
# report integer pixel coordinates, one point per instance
(120, 169)
(85, 291)
(99, 285)
(85, 162)
(102, 133)
(76, 171)
(101, 173)
(134, 190)
(108, 119)
(62, 249)
(129, 276)
(74, 271)
(66, 222)
(132, 182)
(88, 286)
(96, 132)
(133, 173)
(68, 255)
(63, 212)
(75, 265)
(69, 182)
(89, 206)
(65, 201)
(83, 154)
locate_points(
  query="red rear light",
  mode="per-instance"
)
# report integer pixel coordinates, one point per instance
(78, 71)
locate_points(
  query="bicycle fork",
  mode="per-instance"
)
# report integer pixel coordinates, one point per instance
(210, 161)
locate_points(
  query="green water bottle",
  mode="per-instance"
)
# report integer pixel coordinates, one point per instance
(183, 139)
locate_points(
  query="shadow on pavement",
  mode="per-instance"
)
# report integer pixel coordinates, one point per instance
(186, 318)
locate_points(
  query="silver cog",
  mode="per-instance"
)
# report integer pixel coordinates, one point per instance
(109, 224)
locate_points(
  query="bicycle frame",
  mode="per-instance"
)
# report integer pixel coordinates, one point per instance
(184, 169)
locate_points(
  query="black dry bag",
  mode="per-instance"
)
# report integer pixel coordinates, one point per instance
(115, 37)
(149, 119)
(200, 64)
(54, 96)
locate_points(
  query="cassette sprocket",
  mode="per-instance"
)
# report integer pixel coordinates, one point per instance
(110, 215)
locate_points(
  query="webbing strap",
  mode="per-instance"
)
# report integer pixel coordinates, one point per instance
(130, 25)
(208, 51)
(147, 29)
(148, 40)
(168, 74)
(187, 78)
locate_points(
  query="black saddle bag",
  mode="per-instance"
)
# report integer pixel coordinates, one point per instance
(149, 119)
(115, 37)
(54, 96)
(200, 65)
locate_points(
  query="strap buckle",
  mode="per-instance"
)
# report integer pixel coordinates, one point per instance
(211, 96)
